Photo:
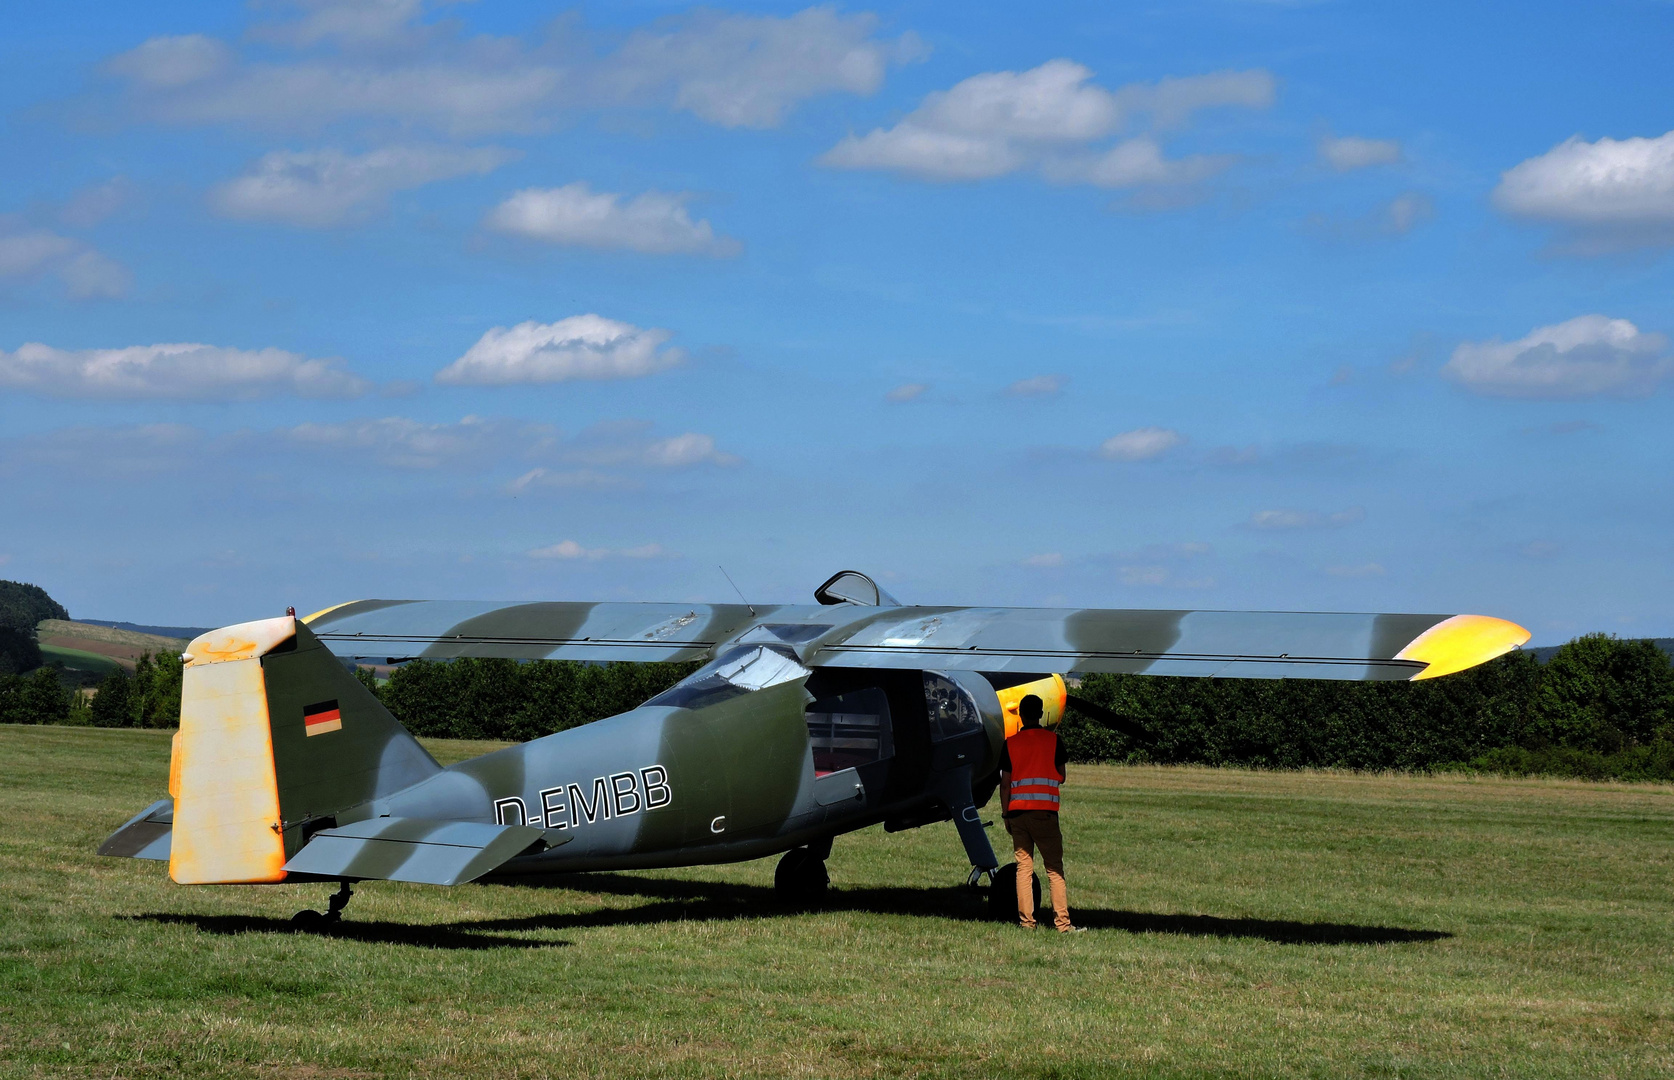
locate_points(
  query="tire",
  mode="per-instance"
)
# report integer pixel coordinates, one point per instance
(1002, 894)
(309, 921)
(801, 879)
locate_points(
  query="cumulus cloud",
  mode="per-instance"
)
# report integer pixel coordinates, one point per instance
(749, 71)
(1588, 356)
(906, 392)
(575, 215)
(579, 347)
(378, 61)
(1351, 152)
(1610, 183)
(322, 188)
(1047, 118)
(184, 371)
(1287, 519)
(570, 549)
(84, 272)
(1038, 386)
(413, 444)
(1140, 444)
(612, 453)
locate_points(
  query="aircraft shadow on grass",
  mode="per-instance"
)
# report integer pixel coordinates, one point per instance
(676, 900)
(428, 936)
(681, 900)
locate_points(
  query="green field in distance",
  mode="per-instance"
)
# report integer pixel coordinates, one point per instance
(1242, 924)
(78, 659)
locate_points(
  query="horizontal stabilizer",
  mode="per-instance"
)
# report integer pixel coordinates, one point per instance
(147, 835)
(415, 849)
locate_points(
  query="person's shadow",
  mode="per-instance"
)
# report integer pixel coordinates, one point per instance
(682, 900)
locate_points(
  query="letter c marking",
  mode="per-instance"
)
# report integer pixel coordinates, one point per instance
(718, 825)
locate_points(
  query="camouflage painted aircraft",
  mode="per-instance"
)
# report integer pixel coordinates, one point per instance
(804, 723)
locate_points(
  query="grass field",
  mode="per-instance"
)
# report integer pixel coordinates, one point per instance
(1242, 924)
(79, 659)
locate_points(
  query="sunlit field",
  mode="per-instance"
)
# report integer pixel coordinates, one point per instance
(1240, 924)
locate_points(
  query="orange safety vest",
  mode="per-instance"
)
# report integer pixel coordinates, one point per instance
(1034, 770)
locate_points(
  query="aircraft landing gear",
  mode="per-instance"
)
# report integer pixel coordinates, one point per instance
(801, 879)
(1002, 894)
(316, 921)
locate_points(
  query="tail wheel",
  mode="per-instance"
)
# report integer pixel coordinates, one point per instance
(1002, 894)
(801, 878)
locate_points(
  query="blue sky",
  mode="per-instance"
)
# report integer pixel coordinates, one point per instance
(1232, 304)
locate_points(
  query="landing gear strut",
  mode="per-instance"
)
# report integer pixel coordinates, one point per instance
(312, 920)
(801, 879)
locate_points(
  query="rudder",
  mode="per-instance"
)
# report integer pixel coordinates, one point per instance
(276, 737)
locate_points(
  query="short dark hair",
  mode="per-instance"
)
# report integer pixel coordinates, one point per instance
(1031, 708)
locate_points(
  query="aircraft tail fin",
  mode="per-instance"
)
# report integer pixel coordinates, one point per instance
(276, 737)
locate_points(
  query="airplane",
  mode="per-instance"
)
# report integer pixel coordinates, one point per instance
(803, 723)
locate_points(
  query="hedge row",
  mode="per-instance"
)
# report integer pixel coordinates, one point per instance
(1601, 708)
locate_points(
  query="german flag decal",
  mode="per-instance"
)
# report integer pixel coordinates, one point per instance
(321, 718)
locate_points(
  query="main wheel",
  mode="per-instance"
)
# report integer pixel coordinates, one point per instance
(1002, 894)
(310, 921)
(801, 878)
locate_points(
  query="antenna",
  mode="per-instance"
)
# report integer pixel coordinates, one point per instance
(736, 589)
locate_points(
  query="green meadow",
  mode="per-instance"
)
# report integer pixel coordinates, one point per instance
(1241, 924)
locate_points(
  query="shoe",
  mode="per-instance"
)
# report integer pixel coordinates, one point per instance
(1074, 930)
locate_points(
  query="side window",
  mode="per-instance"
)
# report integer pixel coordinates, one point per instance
(850, 730)
(952, 712)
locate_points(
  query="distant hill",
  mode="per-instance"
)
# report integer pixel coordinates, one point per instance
(186, 633)
(95, 647)
(1544, 653)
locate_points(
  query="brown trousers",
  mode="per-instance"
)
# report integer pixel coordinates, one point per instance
(1038, 828)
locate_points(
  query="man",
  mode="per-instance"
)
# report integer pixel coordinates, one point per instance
(1031, 771)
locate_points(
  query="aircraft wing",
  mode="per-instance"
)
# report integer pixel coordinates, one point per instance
(1228, 644)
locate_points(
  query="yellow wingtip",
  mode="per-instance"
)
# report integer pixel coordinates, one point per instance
(309, 619)
(1461, 642)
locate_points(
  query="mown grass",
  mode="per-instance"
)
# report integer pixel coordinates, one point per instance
(1243, 924)
(79, 659)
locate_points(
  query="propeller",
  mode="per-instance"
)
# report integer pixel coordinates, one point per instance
(1115, 721)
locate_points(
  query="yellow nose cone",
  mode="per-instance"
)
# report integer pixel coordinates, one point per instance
(1461, 642)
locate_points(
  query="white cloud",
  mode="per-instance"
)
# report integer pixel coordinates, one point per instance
(321, 188)
(1045, 559)
(1047, 117)
(654, 222)
(85, 273)
(1352, 152)
(579, 347)
(684, 450)
(1140, 444)
(1588, 356)
(749, 71)
(169, 62)
(1138, 162)
(906, 392)
(91, 205)
(413, 444)
(1171, 102)
(1039, 386)
(1406, 211)
(1608, 183)
(569, 549)
(377, 61)
(128, 450)
(1305, 519)
(184, 371)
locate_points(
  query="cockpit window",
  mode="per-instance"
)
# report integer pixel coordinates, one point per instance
(737, 671)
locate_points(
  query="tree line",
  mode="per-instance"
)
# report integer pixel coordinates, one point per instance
(1601, 708)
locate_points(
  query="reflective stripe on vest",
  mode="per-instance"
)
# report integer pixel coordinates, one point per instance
(1034, 770)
